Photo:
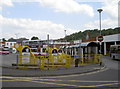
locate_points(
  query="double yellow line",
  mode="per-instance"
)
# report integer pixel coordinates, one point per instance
(51, 81)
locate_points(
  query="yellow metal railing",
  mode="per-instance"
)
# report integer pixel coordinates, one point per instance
(89, 58)
(54, 60)
(47, 61)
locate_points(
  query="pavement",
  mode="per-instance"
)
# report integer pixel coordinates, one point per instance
(9, 70)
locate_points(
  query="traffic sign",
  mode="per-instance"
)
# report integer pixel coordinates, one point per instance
(100, 38)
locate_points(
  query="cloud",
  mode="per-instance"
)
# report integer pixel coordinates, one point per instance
(67, 6)
(29, 28)
(111, 7)
(106, 23)
(5, 3)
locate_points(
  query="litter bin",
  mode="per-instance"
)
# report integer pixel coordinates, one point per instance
(76, 62)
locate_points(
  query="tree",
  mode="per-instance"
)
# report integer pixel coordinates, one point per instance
(11, 39)
(34, 38)
(92, 33)
(3, 39)
(23, 38)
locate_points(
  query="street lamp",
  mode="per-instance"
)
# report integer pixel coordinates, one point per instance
(65, 43)
(16, 34)
(100, 10)
(65, 33)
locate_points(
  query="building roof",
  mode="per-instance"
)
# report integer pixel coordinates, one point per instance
(111, 38)
(89, 44)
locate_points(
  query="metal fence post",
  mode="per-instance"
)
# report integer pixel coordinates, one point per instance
(17, 60)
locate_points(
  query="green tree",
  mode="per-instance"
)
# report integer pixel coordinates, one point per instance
(34, 38)
(11, 39)
(92, 33)
(3, 39)
(23, 38)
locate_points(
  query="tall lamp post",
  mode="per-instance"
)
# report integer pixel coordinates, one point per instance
(65, 43)
(100, 10)
(48, 49)
(16, 34)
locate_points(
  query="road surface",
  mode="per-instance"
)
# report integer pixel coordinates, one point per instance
(107, 77)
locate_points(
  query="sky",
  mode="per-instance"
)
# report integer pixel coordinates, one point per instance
(28, 18)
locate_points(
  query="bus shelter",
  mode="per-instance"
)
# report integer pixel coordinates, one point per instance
(90, 52)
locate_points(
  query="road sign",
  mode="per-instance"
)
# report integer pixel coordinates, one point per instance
(18, 47)
(100, 38)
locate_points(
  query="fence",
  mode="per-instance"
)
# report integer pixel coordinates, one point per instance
(51, 61)
(87, 59)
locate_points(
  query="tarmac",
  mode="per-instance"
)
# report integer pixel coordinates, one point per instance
(9, 70)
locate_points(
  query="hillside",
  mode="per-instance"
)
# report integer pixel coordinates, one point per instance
(92, 33)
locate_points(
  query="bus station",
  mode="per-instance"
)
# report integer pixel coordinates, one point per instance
(83, 55)
(56, 58)
(38, 54)
(59, 44)
(39, 61)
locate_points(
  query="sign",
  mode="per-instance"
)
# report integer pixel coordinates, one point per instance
(18, 47)
(100, 38)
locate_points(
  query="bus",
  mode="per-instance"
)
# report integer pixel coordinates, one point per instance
(4, 50)
(115, 52)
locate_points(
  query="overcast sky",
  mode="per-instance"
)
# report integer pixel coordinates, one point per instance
(28, 18)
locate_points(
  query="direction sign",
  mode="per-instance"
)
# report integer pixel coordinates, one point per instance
(100, 38)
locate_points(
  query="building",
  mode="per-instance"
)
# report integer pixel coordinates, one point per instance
(105, 44)
(9, 44)
(2, 43)
(108, 41)
(40, 45)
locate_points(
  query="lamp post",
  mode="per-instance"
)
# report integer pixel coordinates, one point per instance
(100, 10)
(65, 33)
(65, 43)
(16, 34)
(48, 49)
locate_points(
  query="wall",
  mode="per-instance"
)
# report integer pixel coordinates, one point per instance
(9, 44)
(112, 38)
